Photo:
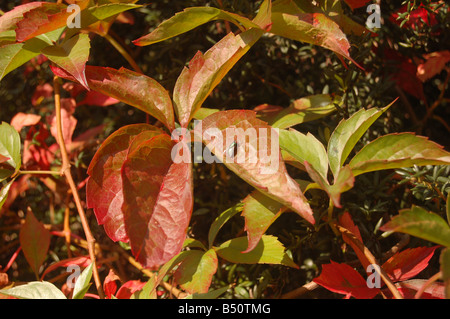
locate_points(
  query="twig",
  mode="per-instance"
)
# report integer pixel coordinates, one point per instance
(300, 291)
(384, 276)
(65, 170)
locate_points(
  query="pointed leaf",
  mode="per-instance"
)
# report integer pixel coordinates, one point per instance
(205, 72)
(408, 263)
(189, 19)
(130, 87)
(347, 134)
(4, 192)
(417, 222)
(314, 28)
(343, 279)
(305, 148)
(260, 211)
(397, 151)
(35, 241)
(257, 160)
(220, 221)
(264, 17)
(35, 290)
(157, 202)
(195, 272)
(72, 56)
(302, 110)
(83, 283)
(268, 251)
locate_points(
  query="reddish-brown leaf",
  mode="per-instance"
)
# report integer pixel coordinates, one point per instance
(408, 263)
(104, 186)
(82, 261)
(258, 159)
(434, 63)
(22, 119)
(110, 285)
(129, 288)
(355, 4)
(343, 279)
(35, 241)
(157, 202)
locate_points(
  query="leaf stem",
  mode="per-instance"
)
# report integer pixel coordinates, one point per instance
(65, 170)
(123, 52)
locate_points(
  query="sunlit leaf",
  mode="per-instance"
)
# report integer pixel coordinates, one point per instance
(83, 283)
(9, 147)
(35, 290)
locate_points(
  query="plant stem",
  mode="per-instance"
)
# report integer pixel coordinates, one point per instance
(41, 172)
(384, 276)
(65, 170)
(123, 52)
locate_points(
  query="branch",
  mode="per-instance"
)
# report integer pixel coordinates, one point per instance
(65, 170)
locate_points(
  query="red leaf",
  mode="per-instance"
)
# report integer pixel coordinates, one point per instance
(158, 200)
(345, 220)
(434, 63)
(9, 19)
(415, 17)
(21, 119)
(110, 285)
(104, 187)
(82, 261)
(41, 92)
(408, 263)
(343, 279)
(129, 87)
(355, 4)
(409, 288)
(35, 241)
(129, 288)
(69, 122)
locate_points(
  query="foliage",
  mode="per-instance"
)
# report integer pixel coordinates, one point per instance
(248, 148)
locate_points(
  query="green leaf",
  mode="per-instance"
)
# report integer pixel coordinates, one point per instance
(397, 151)
(212, 294)
(14, 55)
(205, 72)
(83, 283)
(305, 148)
(260, 211)
(189, 19)
(4, 192)
(35, 290)
(72, 56)
(220, 221)
(35, 241)
(195, 272)
(418, 222)
(268, 251)
(302, 110)
(347, 134)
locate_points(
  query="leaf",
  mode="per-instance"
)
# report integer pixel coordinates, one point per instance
(68, 121)
(43, 19)
(408, 263)
(397, 151)
(355, 4)
(4, 192)
(302, 110)
(259, 211)
(345, 220)
(130, 87)
(110, 285)
(314, 28)
(257, 160)
(445, 269)
(264, 17)
(35, 290)
(35, 241)
(305, 148)
(268, 251)
(9, 19)
(195, 272)
(409, 288)
(204, 73)
(129, 288)
(220, 221)
(212, 294)
(72, 56)
(417, 222)
(343, 279)
(434, 64)
(189, 19)
(157, 202)
(82, 261)
(16, 54)
(22, 119)
(83, 283)
(104, 192)
(347, 134)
